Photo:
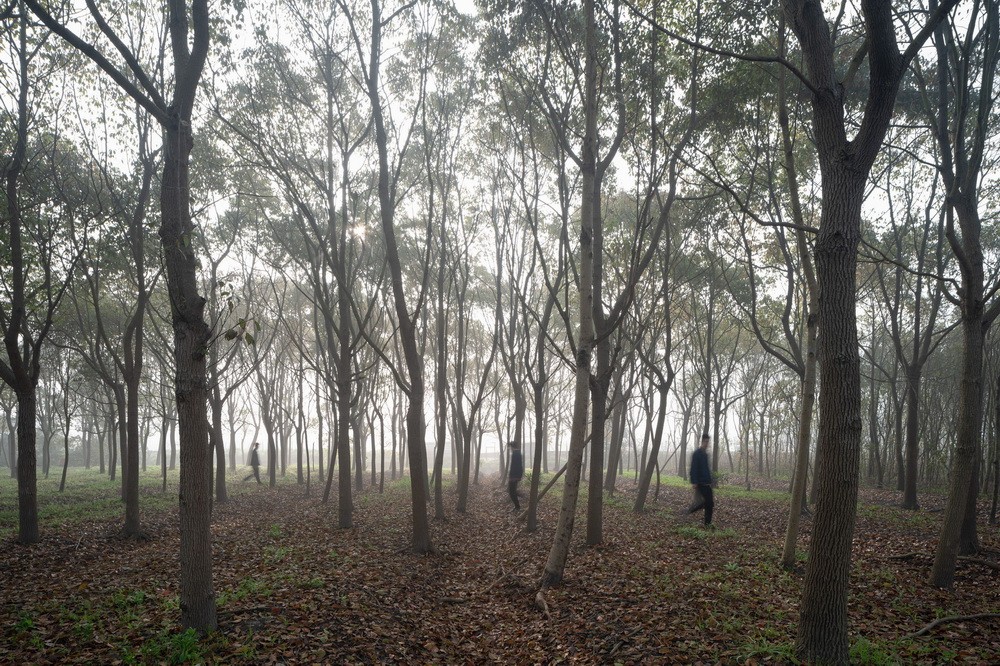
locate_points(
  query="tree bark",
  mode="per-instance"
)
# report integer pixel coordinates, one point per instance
(556, 563)
(844, 166)
(415, 426)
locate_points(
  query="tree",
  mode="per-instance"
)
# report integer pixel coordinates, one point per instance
(189, 39)
(960, 106)
(31, 300)
(920, 294)
(844, 167)
(388, 181)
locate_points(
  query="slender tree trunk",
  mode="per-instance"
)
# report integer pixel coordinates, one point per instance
(556, 563)
(910, 447)
(962, 489)
(652, 463)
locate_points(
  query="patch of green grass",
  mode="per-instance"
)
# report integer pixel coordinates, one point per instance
(83, 620)
(402, 483)
(88, 496)
(311, 584)
(248, 587)
(618, 501)
(173, 648)
(867, 653)
(24, 622)
(697, 532)
(275, 554)
(248, 650)
(274, 531)
(761, 646)
(126, 604)
(123, 600)
(753, 494)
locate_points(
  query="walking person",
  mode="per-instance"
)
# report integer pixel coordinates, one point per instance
(701, 480)
(515, 474)
(254, 463)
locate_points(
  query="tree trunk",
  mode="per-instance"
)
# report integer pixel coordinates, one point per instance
(556, 563)
(969, 420)
(191, 338)
(415, 437)
(910, 446)
(823, 624)
(652, 463)
(27, 485)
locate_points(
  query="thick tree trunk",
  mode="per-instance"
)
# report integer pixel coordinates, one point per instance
(191, 337)
(27, 484)
(823, 625)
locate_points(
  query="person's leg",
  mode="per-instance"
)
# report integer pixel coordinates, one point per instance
(699, 501)
(706, 491)
(512, 491)
(256, 473)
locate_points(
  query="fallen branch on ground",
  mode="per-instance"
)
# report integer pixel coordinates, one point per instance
(954, 618)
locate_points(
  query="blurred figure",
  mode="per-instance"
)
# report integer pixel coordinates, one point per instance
(254, 463)
(701, 481)
(515, 474)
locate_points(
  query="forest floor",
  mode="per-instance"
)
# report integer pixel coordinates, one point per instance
(293, 589)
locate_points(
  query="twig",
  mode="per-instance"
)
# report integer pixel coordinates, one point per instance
(954, 618)
(905, 556)
(506, 575)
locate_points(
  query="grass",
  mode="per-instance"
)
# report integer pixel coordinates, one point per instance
(248, 588)
(698, 532)
(760, 646)
(867, 653)
(173, 648)
(88, 496)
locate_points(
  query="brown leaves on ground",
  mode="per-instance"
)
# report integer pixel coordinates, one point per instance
(294, 589)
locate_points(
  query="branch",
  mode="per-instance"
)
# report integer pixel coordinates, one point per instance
(722, 52)
(130, 59)
(89, 50)
(954, 618)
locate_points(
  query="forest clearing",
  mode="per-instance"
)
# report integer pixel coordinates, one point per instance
(294, 589)
(736, 245)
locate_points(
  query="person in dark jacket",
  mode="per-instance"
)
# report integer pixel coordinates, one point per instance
(515, 473)
(254, 463)
(701, 480)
